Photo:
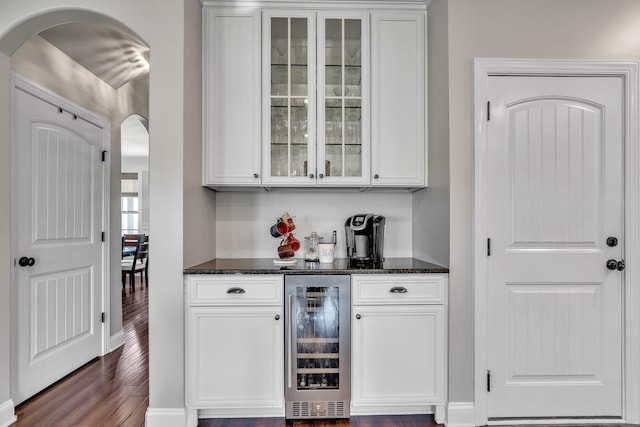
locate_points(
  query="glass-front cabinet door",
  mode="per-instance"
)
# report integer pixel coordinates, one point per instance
(315, 118)
(289, 151)
(343, 82)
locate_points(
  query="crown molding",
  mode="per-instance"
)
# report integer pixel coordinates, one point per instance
(322, 4)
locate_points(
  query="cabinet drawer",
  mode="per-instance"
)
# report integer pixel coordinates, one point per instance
(231, 290)
(398, 289)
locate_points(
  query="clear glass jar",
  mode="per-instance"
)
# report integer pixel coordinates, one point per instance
(311, 247)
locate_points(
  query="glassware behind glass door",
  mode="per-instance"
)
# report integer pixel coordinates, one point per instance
(317, 338)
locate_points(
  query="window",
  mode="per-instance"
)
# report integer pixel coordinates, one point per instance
(129, 203)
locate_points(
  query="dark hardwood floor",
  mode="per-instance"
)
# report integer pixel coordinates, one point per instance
(109, 391)
(114, 390)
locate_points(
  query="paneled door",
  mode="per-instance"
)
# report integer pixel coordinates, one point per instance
(555, 264)
(58, 250)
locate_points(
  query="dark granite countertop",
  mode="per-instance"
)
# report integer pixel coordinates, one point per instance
(339, 266)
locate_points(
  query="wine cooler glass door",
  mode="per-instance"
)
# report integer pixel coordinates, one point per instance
(318, 338)
(317, 332)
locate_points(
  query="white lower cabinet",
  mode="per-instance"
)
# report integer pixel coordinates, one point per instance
(399, 344)
(235, 347)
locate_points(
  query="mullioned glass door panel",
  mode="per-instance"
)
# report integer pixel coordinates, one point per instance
(342, 79)
(291, 82)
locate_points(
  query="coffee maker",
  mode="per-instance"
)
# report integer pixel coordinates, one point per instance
(365, 239)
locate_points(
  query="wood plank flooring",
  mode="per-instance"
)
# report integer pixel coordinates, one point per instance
(114, 390)
(109, 391)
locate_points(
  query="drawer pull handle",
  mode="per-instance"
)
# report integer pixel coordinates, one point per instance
(235, 291)
(398, 290)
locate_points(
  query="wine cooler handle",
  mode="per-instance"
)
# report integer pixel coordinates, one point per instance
(290, 332)
(398, 290)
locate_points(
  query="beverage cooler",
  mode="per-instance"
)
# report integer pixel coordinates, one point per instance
(317, 346)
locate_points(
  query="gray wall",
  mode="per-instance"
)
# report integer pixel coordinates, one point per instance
(199, 203)
(431, 205)
(559, 29)
(171, 29)
(590, 29)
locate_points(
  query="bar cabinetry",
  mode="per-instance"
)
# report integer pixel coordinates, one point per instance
(323, 97)
(398, 338)
(234, 346)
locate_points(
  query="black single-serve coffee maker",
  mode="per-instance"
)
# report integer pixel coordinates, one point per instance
(365, 239)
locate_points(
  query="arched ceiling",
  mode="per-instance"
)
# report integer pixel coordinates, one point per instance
(109, 52)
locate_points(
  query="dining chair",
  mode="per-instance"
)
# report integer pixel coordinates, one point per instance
(137, 264)
(129, 243)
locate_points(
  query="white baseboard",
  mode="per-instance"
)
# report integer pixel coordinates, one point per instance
(555, 421)
(116, 340)
(460, 414)
(7, 414)
(166, 417)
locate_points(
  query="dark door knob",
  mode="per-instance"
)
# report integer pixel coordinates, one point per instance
(612, 242)
(24, 262)
(612, 264)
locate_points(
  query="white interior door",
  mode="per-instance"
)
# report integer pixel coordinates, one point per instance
(57, 233)
(555, 194)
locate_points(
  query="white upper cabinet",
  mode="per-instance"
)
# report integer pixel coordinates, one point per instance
(308, 97)
(231, 102)
(315, 88)
(398, 117)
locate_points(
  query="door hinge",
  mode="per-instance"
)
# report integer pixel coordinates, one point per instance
(488, 381)
(103, 236)
(104, 155)
(488, 110)
(489, 246)
(104, 316)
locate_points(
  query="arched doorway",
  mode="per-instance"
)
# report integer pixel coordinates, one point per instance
(175, 111)
(134, 155)
(49, 60)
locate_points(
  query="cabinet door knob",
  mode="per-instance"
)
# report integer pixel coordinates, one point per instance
(277, 317)
(358, 316)
(255, 175)
(311, 175)
(321, 176)
(376, 176)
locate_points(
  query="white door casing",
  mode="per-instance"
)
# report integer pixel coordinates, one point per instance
(536, 236)
(58, 199)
